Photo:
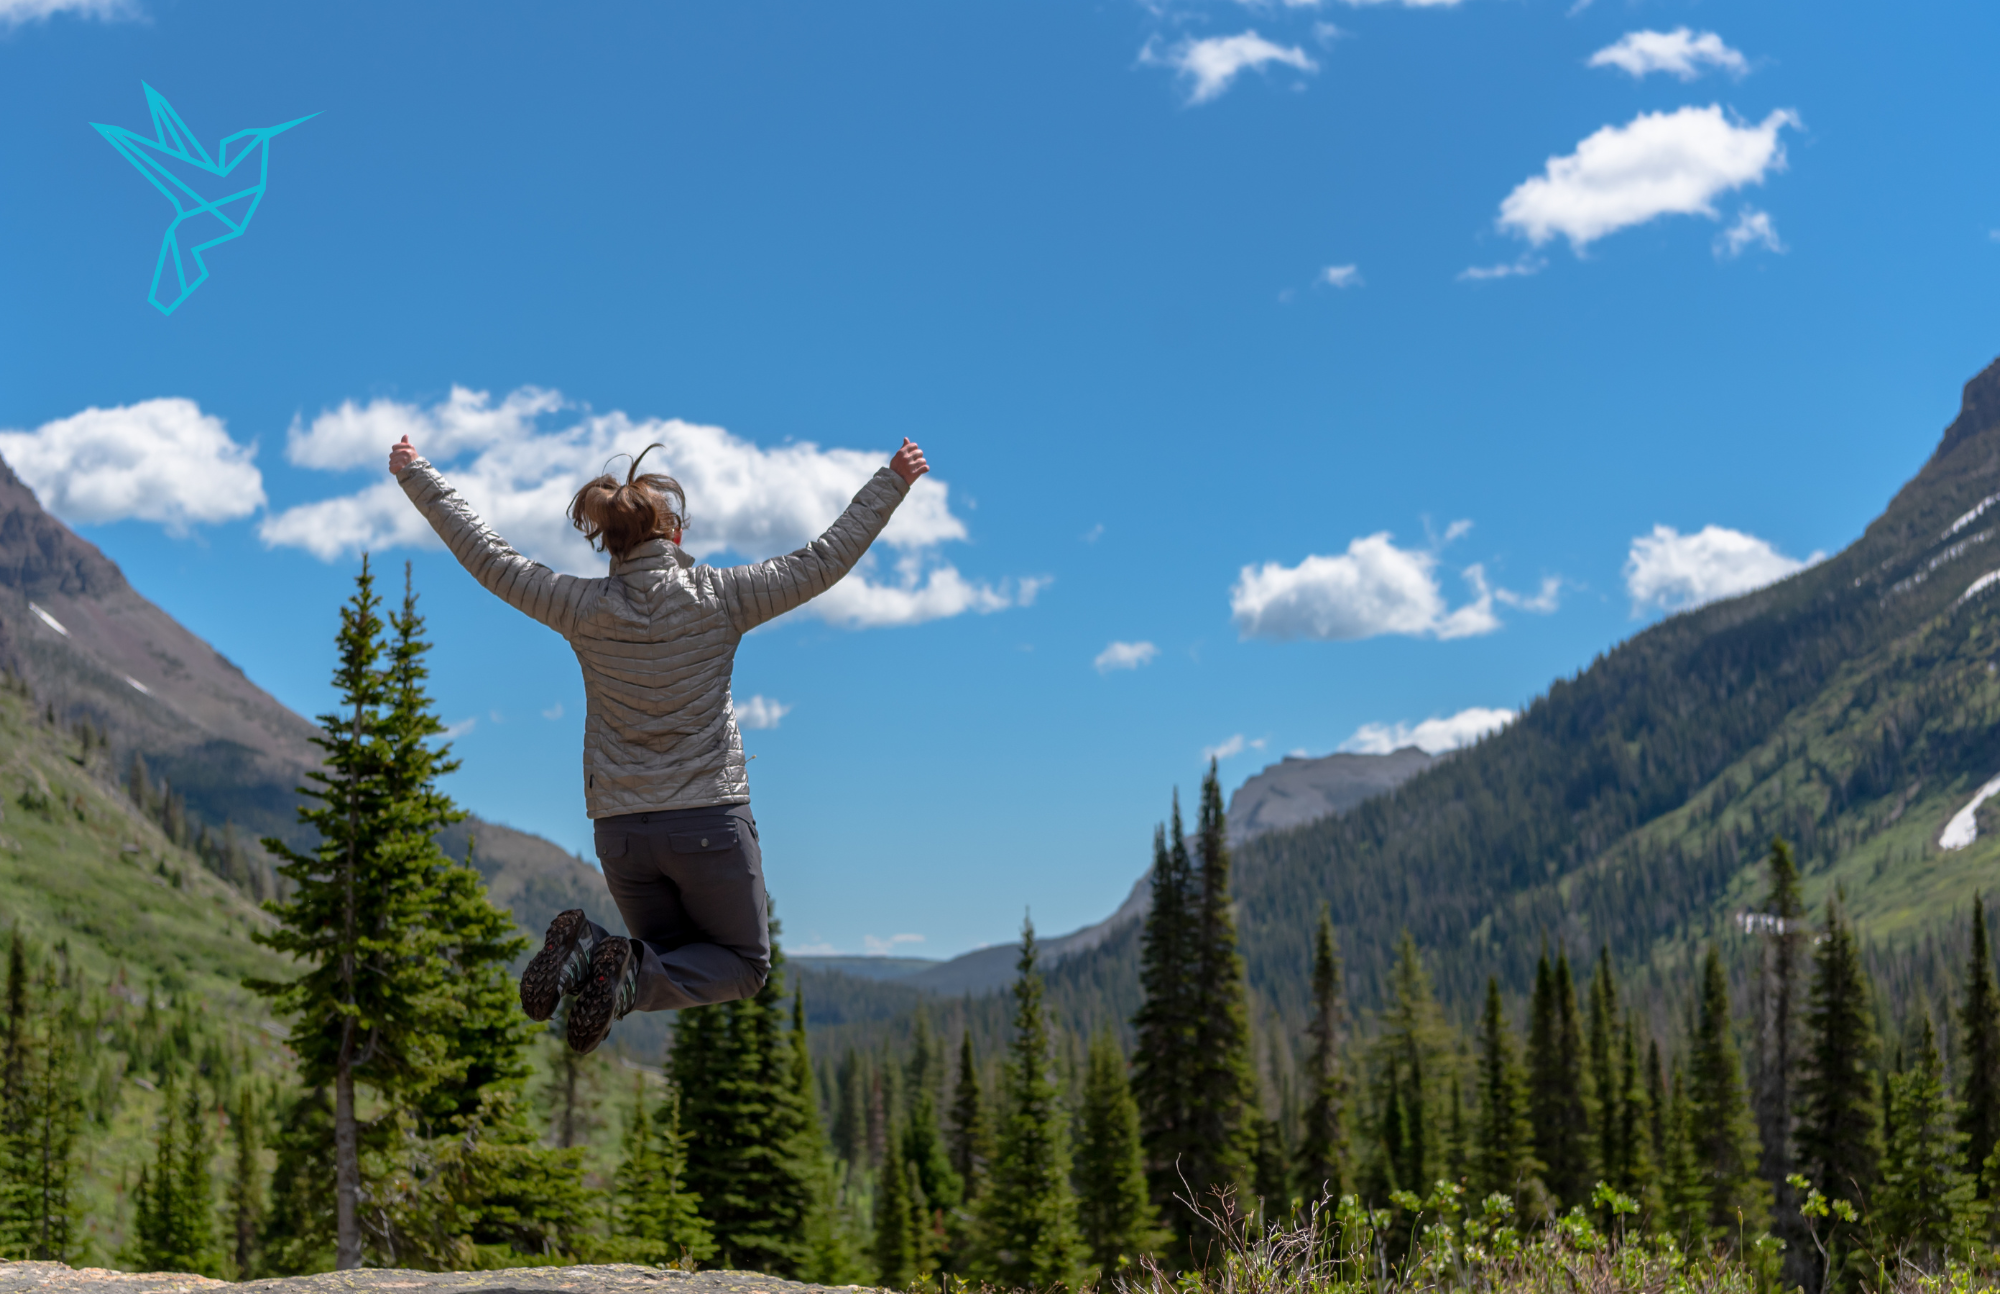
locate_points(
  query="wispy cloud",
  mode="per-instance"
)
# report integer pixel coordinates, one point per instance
(1680, 52)
(15, 13)
(1658, 164)
(1753, 228)
(454, 731)
(760, 712)
(1120, 655)
(880, 947)
(1341, 276)
(1674, 572)
(1520, 268)
(1545, 600)
(1210, 65)
(1230, 747)
(1435, 735)
(553, 712)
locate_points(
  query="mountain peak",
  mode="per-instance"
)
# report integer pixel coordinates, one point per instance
(41, 556)
(1978, 410)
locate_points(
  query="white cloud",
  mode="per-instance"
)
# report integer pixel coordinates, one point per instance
(1676, 572)
(819, 949)
(1680, 52)
(462, 727)
(1230, 747)
(1753, 228)
(163, 461)
(1125, 656)
(744, 499)
(1547, 599)
(1341, 276)
(553, 712)
(1434, 734)
(1525, 267)
(15, 13)
(1373, 588)
(880, 947)
(760, 712)
(1407, 4)
(1209, 65)
(1658, 164)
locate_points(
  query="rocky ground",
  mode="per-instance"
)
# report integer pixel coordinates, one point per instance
(621, 1278)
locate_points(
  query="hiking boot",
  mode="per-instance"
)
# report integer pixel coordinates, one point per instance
(607, 994)
(561, 967)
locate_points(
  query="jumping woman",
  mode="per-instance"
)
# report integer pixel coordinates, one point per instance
(663, 769)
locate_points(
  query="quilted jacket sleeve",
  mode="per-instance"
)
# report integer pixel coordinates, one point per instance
(764, 590)
(526, 586)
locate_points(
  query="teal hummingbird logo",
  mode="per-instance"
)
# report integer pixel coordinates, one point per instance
(174, 162)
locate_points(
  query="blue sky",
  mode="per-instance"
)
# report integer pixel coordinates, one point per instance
(1340, 362)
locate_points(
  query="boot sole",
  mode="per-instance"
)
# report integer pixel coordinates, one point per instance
(594, 1011)
(541, 983)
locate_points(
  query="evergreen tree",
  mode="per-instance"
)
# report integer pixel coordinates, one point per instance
(1638, 1164)
(1028, 1212)
(1415, 1041)
(923, 1142)
(747, 1117)
(1723, 1135)
(174, 1214)
(1556, 1084)
(829, 1259)
(1503, 1156)
(971, 1134)
(1271, 1172)
(299, 1232)
(1979, 1054)
(850, 1121)
(246, 1186)
(1164, 1062)
(40, 1109)
(1388, 1166)
(1925, 1198)
(895, 1223)
(1607, 1085)
(1778, 1033)
(1323, 1149)
(1684, 1186)
(1837, 1114)
(652, 1208)
(373, 1005)
(1115, 1213)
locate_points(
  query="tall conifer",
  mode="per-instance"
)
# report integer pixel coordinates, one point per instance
(1115, 1212)
(971, 1130)
(1979, 1054)
(1323, 1150)
(895, 1219)
(1503, 1156)
(1925, 1197)
(1724, 1136)
(1607, 1090)
(652, 1208)
(1224, 1086)
(1164, 1063)
(1778, 1010)
(1028, 1210)
(1556, 1084)
(1837, 1106)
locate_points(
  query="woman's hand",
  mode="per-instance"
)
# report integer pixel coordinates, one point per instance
(908, 463)
(403, 453)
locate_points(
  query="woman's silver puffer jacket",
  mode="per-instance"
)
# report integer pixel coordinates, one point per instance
(657, 640)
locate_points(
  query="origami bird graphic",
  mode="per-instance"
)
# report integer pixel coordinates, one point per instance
(173, 152)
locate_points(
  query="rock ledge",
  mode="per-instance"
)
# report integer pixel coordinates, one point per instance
(617, 1278)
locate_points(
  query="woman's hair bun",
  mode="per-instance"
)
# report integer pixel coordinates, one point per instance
(618, 516)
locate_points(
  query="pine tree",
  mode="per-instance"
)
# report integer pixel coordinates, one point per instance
(1323, 1151)
(829, 1259)
(40, 1109)
(1723, 1135)
(246, 1186)
(174, 1222)
(971, 1134)
(747, 1119)
(372, 1007)
(1925, 1198)
(299, 1231)
(652, 1208)
(1657, 1117)
(1684, 1186)
(1556, 1084)
(923, 1142)
(1164, 1062)
(1115, 1213)
(1607, 1086)
(1415, 1041)
(1271, 1172)
(1837, 1108)
(1028, 1212)
(1979, 1054)
(895, 1224)
(850, 1122)
(1638, 1165)
(1503, 1157)
(1778, 1032)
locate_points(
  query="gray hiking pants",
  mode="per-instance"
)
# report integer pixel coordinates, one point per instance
(690, 885)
